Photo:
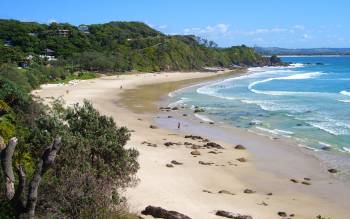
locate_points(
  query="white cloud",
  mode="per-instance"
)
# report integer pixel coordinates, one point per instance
(218, 29)
(52, 21)
(162, 26)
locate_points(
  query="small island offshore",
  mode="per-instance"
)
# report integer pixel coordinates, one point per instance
(121, 120)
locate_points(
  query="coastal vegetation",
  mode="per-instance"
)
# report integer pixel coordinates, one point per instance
(115, 47)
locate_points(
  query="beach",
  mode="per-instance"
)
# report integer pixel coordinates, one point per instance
(274, 176)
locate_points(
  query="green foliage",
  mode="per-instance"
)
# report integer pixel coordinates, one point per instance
(119, 46)
(93, 164)
(13, 95)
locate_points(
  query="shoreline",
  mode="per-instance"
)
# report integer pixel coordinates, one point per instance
(326, 157)
(181, 188)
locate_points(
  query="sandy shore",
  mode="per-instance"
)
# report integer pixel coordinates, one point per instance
(130, 100)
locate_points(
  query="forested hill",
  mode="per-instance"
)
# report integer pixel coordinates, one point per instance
(116, 46)
(308, 52)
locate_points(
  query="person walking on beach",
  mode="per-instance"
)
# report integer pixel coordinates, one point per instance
(178, 125)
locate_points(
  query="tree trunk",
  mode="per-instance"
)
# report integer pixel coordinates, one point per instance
(25, 209)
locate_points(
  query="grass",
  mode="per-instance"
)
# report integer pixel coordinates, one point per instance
(78, 76)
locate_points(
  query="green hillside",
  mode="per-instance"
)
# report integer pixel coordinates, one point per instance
(116, 46)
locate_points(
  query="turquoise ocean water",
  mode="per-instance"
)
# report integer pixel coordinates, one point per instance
(308, 101)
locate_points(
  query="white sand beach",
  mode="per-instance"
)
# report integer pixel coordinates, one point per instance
(193, 188)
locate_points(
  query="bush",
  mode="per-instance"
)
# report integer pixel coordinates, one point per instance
(92, 167)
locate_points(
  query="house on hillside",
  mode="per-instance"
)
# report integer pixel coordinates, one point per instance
(48, 54)
(8, 42)
(63, 32)
(33, 34)
(84, 29)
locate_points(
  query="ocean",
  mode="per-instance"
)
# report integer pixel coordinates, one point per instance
(308, 101)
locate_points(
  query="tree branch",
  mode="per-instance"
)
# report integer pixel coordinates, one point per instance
(45, 162)
(6, 161)
(17, 201)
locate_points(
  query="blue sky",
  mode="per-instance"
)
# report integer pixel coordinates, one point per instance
(283, 23)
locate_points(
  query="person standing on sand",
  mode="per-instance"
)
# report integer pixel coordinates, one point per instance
(178, 125)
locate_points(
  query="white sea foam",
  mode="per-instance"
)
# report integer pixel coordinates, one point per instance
(212, 89)
(172, 94)
(344, 101)
(179, 102)
(324, 144)
(203, 117)
(334, 128)
(276, 131)
(290, 77)
(344, 92)
(346, 149)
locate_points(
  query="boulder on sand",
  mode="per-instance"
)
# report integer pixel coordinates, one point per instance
(159, 212)
(212, 145)
(227, 214)
(239, 147)
(195, 153)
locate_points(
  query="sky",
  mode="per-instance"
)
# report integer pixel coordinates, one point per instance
(278, 23)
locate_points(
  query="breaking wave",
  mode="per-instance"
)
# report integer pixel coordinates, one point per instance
(291, 77)
(344, 92)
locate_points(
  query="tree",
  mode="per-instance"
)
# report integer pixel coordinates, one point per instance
(25, 207)
(93, 165)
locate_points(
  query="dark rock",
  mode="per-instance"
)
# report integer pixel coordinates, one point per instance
(231, 215)
(212, 145)
(175, 108)
(153, 127)
(205, 163)
(187, 143)
(306, 183)
(207, 191)
(199, 110)
(176, 162)
(307, 179)
(282, 214)
(169, 165)
(159, 212)
(269, 194)
(170, 117)
(239, 147)
(225, 192)
(184, 114)
(195, 152)
(294, 180)
(211, 123)
(332, 170)
(213, 152)
(326, 148)
(248, 191)
(194, 137)
(169, 144)
(242, 159)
